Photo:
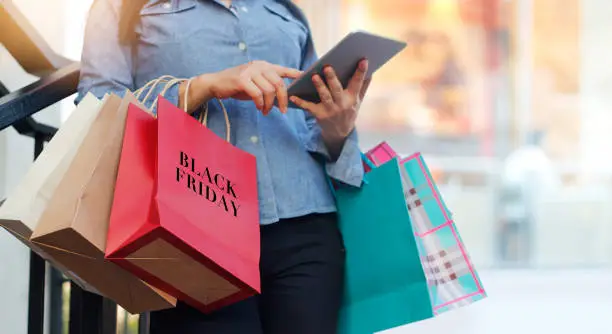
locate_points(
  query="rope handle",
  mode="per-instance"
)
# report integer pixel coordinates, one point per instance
(151, 84)
(203, 119)
(171, 81)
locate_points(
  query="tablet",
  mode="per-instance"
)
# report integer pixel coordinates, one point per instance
(344, 58)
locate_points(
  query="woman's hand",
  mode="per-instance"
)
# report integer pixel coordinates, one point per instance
(259, 81)
(337, 111)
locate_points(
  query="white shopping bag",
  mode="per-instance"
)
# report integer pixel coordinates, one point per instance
(21, 211)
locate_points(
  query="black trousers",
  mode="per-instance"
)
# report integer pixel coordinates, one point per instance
(302, 272)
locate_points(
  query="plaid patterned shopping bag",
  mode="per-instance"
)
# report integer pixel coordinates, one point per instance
(451, 277)
(405, 259)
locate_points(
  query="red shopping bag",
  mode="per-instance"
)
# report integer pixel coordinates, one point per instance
(185, 215)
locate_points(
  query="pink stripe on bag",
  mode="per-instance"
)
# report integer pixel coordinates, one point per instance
(458, 300)
(414, 156)
(381, 154)
(448, 223)
(388, 150)
(439, 201)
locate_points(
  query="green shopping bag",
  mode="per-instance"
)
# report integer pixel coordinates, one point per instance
(385, 284)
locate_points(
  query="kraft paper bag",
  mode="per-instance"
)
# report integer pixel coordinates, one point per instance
(21, 211)
(74, 226)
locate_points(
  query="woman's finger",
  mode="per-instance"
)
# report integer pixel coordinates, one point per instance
(324, 93)
(364, 88)
(307, 105)
(286, 72)
(250, 88)
(334, 85)
(356, 83)
(268, 91)
(281, 89)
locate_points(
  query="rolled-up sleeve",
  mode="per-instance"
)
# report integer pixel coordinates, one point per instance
(106, 63)
(347, 168)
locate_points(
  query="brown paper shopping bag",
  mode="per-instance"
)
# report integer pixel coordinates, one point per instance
(73, 228)
(21, 211)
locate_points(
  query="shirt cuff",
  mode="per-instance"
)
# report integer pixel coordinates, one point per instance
(348, 167)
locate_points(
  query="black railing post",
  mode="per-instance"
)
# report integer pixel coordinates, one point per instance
(76, 317)
(143, 323)
(36, 295)
(91, 313)
(108, 317)
(56, 284)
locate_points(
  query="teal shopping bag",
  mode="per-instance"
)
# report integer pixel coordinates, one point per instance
(385, 283)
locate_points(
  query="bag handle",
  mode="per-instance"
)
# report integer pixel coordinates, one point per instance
(151, 84)
(171, 81)
(203, 119)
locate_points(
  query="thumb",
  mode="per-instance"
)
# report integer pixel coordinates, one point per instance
(308, 106)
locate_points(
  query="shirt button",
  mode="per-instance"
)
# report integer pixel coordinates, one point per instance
(244, 9)
(242, 46)
(167, 5)
(254, 139)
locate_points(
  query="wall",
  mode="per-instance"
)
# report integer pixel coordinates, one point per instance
(596, 77)
(16, 153)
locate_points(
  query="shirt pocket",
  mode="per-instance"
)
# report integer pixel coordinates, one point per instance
(167, 20)
(286, 24)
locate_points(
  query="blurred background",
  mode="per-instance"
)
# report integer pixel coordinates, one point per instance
(508, 100)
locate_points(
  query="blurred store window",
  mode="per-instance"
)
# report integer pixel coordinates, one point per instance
(479, 80)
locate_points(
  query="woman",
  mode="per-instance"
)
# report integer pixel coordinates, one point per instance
(241, 51)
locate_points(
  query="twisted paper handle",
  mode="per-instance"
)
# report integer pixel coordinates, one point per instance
(171, 81)
(203, 119)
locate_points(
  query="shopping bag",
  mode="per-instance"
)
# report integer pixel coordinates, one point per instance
(378, 155)
(185, 215)
(73, 227)
(385, 284)
(397, 273)
(20, 212)
(451, 276)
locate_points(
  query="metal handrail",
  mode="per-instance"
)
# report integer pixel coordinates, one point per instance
(29, 100)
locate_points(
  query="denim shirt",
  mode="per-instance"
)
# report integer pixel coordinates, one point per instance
(185, 38)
